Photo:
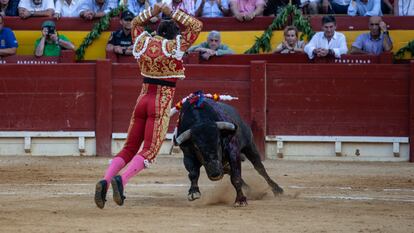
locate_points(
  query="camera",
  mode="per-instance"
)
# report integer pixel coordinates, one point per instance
(51, 30)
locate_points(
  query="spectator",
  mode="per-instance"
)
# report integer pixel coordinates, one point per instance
(120, 42)
(136, 6)
(8, 42)
(335, 6)
(67, 8)
(365, 8)
(91, 9)
(212, 8)
(51, 43)
(9, 7)
(188, 6)
(36, 8)
(246, 10)
(310, 7)
(211, 47)
(376, 41)
(327, 43)
(291, 44)
(273, 7)
(404, 7)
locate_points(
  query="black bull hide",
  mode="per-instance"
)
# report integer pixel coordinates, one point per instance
(213, 135)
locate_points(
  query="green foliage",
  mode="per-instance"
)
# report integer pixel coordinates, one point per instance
(408, 48)
(97, 29)
(263, 43)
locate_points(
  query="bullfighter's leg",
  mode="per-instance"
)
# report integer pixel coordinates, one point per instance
(157, 109)
(131, 146)
(253, 156)
(193, 167)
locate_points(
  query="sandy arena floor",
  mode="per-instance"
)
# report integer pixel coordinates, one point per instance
(55, 194)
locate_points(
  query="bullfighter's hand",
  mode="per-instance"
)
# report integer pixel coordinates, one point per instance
(156, 9)
(166, 10)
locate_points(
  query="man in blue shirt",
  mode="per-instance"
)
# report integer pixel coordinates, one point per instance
(376, 41)
(365, 8)
(8, 42)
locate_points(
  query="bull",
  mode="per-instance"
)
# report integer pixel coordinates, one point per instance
(212, 134)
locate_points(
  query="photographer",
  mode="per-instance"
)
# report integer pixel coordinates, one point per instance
(51, 43)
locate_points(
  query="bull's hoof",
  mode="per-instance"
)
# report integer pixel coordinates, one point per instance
(194, 196)
(277, 191)
(240, 202)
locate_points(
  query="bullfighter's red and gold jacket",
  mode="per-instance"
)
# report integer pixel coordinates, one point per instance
(158, 57)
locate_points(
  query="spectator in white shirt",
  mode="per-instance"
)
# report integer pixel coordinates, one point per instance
(212, 8)
(36, 8)
(91, 9)
(404, 7)
(67, 8)
(327, 43)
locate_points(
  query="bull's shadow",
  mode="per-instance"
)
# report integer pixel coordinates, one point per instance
(212, 134)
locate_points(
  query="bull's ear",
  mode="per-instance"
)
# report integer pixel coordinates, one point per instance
(224, 125)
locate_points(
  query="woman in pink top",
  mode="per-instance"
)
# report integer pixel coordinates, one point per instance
(246, 10)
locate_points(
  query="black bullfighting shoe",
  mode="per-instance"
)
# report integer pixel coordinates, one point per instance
(118, 190)
(100, 193)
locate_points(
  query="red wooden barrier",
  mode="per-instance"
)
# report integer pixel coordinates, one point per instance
(58, 97)
(411, 119)
(351, 100)
(67, 56)
(277, 99)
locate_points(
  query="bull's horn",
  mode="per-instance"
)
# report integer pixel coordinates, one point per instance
(225, 125)
(183, 137)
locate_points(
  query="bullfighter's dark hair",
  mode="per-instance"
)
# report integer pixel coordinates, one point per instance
(328, 19)
(168, 29)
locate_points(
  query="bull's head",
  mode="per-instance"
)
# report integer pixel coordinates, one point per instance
(207, 144)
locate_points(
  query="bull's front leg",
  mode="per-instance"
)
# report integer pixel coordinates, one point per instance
(235, 173)
(193, 167)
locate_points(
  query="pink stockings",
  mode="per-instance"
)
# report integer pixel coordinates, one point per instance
(134, 167)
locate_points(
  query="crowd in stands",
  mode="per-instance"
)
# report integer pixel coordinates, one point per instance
(328, 42)
(242, 10)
